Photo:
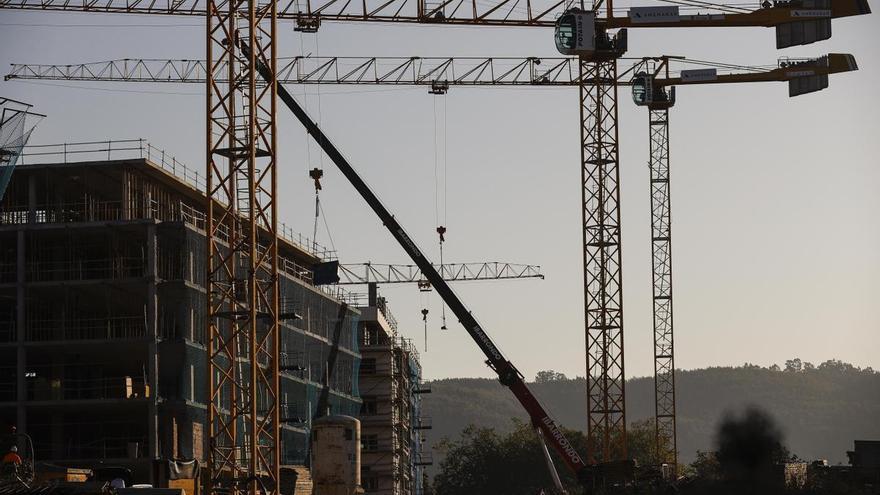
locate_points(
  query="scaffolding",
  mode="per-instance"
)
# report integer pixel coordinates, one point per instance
(392, 427)
(17, 123)
(104, 243)
(78, 153)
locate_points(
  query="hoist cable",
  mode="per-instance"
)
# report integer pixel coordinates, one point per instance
(442, 305)
(445, 199)
(302, 52)
(318, 93)
(436, 177)
(317, 214)
(327, 227)
(445, 161)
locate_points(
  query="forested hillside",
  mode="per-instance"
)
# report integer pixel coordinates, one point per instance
(822, 409)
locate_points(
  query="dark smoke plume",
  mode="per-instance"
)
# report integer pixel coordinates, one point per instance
(748, 447)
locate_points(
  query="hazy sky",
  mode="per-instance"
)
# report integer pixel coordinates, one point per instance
(775, 200)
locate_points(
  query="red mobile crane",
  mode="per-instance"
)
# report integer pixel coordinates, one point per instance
(508, 375)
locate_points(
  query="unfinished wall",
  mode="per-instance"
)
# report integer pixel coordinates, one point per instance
(102, 319)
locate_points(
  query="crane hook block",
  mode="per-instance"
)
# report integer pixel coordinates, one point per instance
(316, 174)
(441, 230)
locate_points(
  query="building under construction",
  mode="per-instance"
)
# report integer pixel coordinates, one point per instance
(102, 313)
(392, 460)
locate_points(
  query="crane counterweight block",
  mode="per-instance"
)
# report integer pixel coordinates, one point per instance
(847, 8)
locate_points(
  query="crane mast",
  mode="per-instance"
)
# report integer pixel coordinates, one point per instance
(242, 237)
(665, 437)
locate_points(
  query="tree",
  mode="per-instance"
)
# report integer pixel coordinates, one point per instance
(836, 365)
(794, 365)
(548, 376)
(705, 466)
(642, 445)
(485, 462)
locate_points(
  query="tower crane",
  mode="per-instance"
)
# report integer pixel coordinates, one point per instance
(587, 34)
(241, 187)
(652, 86)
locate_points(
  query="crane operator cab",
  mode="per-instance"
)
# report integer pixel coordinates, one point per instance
(579, 33)
(646, 94)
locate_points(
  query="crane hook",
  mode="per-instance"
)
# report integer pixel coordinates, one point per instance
(316, 174)
(425, 319)
(441, 230)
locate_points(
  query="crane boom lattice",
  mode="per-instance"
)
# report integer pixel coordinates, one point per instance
(365, 273)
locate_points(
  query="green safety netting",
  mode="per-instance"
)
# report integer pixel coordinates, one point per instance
(16, 126)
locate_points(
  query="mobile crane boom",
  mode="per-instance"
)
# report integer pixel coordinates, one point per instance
(508, 375)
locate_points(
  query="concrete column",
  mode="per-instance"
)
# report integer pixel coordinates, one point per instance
(20, 323)
(372, 294)
(152, 347)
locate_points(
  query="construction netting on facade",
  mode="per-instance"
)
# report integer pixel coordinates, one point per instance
(319, 347)
(415, 389)
(17, 123)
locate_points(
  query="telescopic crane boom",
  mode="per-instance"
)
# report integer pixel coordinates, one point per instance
(508, 375)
